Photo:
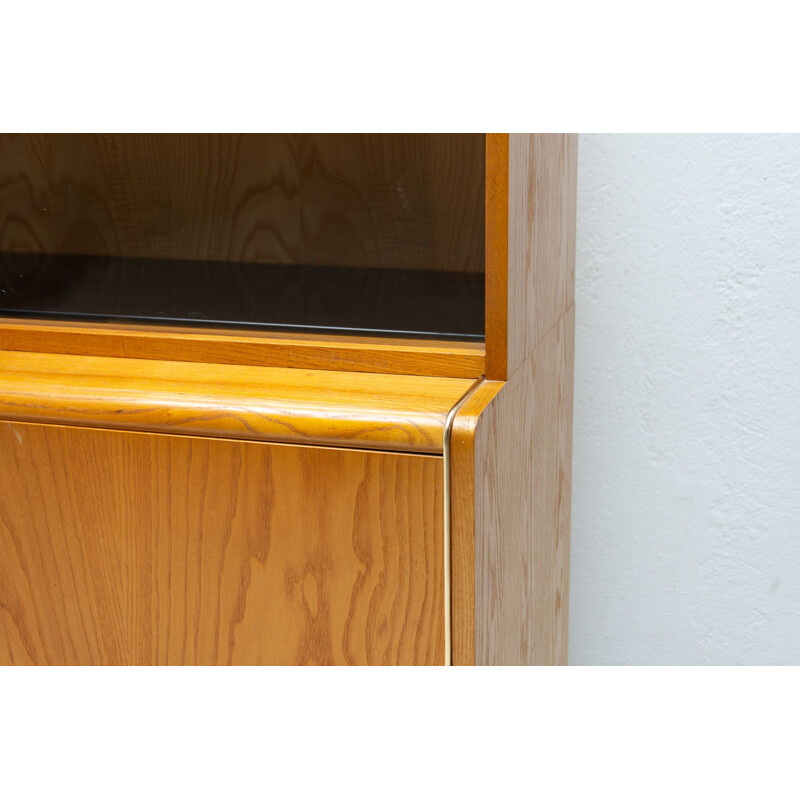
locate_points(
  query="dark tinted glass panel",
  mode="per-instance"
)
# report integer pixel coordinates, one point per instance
(374, 233)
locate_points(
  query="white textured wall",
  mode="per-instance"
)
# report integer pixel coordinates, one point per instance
(686, 496)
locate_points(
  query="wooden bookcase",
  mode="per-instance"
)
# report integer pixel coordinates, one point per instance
(286, 399)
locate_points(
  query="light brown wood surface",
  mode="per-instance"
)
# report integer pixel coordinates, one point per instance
(304, 351)
(511, 456)
(462, 487)
(130, 548)
(387, 412)
(412, 200)
(509, 472)
(511, 442)
(541, 238)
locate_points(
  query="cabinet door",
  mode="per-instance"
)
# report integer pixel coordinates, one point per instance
(137, 548)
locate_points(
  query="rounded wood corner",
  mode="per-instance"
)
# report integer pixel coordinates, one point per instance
(404, 413)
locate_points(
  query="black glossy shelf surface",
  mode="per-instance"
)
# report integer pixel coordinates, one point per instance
(352, 300)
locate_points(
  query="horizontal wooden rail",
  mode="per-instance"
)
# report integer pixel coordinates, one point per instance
(346, 409)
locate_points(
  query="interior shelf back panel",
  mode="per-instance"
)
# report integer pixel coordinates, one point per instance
(359, 233)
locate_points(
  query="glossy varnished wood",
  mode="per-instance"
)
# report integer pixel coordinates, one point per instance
(462, 486)
(344, 409)
(410, 201)
(509, 466)
(304, 351)
(497, 256)
(130, 548)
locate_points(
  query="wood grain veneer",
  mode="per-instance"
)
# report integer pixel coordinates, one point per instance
(542, 194)
(511, 455)
(410, 200)
(397, 412)
(508, 470)
(462, 486)
(303, 351)
(511, 442)
(131, 548)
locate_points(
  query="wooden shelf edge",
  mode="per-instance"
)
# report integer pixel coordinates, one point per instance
(427, 357)
(404, 413)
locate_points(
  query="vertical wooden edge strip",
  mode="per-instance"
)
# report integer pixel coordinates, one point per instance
(497, 163)
(448, 594)
(462, 500)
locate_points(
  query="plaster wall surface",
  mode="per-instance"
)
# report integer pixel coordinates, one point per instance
(686, 493)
